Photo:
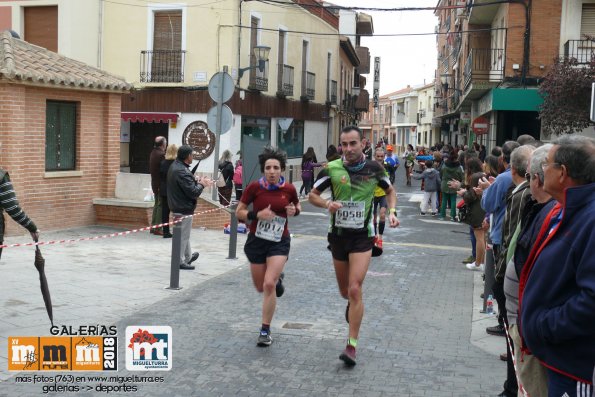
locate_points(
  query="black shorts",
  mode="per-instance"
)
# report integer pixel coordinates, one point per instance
(380, 202)
(342, 246)
(258, 250)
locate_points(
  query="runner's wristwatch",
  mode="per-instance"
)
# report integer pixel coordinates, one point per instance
(393, 211)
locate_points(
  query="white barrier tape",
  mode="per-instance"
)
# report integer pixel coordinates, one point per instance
(511, 346)
(125, 233)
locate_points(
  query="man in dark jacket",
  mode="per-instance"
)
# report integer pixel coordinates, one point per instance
(10, 204)
(557, 284)
(183, 189)
(157, 155)
(529, 370)
(515, 202)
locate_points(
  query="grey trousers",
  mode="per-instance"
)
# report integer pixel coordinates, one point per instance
(185, 250)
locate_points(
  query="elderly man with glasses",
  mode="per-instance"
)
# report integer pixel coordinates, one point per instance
(557, 282)
(531, 374)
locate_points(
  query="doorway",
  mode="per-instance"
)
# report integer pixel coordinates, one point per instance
(142, 139)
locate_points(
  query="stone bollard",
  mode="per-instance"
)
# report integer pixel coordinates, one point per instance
(176, 248)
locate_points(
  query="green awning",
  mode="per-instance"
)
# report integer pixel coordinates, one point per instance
(523, 99)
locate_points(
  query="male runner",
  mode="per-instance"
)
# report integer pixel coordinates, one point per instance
(380, 205)
(352, 180)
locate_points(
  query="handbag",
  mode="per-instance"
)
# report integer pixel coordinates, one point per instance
(221, 181)
(463, 211)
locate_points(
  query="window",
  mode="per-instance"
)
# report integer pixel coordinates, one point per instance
(60, 136)
(292, 139)
(588, 20)
(41, 26)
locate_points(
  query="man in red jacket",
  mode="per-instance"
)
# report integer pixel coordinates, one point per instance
(557, 283)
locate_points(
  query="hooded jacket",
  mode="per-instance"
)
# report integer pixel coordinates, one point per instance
(451, 170)
(431, 178)
(557, 289)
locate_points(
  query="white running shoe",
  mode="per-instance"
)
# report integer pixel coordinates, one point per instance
(473, 266)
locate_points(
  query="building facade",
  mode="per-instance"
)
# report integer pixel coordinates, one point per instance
(490, 62)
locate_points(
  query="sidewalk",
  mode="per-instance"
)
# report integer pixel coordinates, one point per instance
(98, 282)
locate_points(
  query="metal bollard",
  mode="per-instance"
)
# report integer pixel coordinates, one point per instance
(233, 233)
(176, 248)
(291, 174)
(490, 264)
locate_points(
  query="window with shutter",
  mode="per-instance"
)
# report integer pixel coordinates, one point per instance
(41, 26)
(166, 64)
(60, 136)
(588, 20)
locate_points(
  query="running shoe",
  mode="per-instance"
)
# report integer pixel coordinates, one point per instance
(470, 259)
(473, 266)
(377, 247)
(264, 339)
(279, 288)
(348, 355)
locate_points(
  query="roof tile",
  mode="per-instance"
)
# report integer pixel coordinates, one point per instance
(24, 61)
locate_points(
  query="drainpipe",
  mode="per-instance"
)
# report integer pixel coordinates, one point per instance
(239, 39)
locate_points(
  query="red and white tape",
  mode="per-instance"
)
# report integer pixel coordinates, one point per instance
(125, 233)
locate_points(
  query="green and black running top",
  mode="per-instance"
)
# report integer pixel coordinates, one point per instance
(356, 190)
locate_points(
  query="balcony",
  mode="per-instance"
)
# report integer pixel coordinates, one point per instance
(162, 66)
(484, 64)
(331, 97)
(285, 81)
(363, 53)
(362, 101)
(445, 67)
(308, 86)
(348, 102)
(259, 81)
(581, 50)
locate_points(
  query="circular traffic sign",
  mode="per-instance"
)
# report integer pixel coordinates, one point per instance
(226, 119)
(221, 87)
(480, 125)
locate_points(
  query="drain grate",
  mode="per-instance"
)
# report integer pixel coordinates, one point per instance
(297, 325)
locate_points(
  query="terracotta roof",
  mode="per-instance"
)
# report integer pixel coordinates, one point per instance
(402, 91)
(22, 61)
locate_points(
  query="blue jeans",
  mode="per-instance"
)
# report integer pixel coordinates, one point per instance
(473, 241)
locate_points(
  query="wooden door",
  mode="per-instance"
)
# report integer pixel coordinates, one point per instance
(142, 138)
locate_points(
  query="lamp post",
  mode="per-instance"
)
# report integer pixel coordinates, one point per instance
(261, 53)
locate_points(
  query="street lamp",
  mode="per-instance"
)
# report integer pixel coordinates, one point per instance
(261, 53)
(444, 80)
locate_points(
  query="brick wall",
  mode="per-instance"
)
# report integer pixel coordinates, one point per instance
(58, 203)
(545, 36)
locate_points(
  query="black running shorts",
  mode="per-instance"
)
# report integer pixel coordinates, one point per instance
(342, 246)
(380, 202)
(258, 250)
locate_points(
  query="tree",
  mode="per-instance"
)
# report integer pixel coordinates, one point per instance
(566, 92)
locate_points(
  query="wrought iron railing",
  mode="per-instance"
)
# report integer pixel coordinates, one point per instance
(581, 50)
(486, 64)
(285, 80)
(308, 85)
(332, 94)
(259, 81)
(162, 66)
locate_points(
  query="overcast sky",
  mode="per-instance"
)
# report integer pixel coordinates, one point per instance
(406, 59)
